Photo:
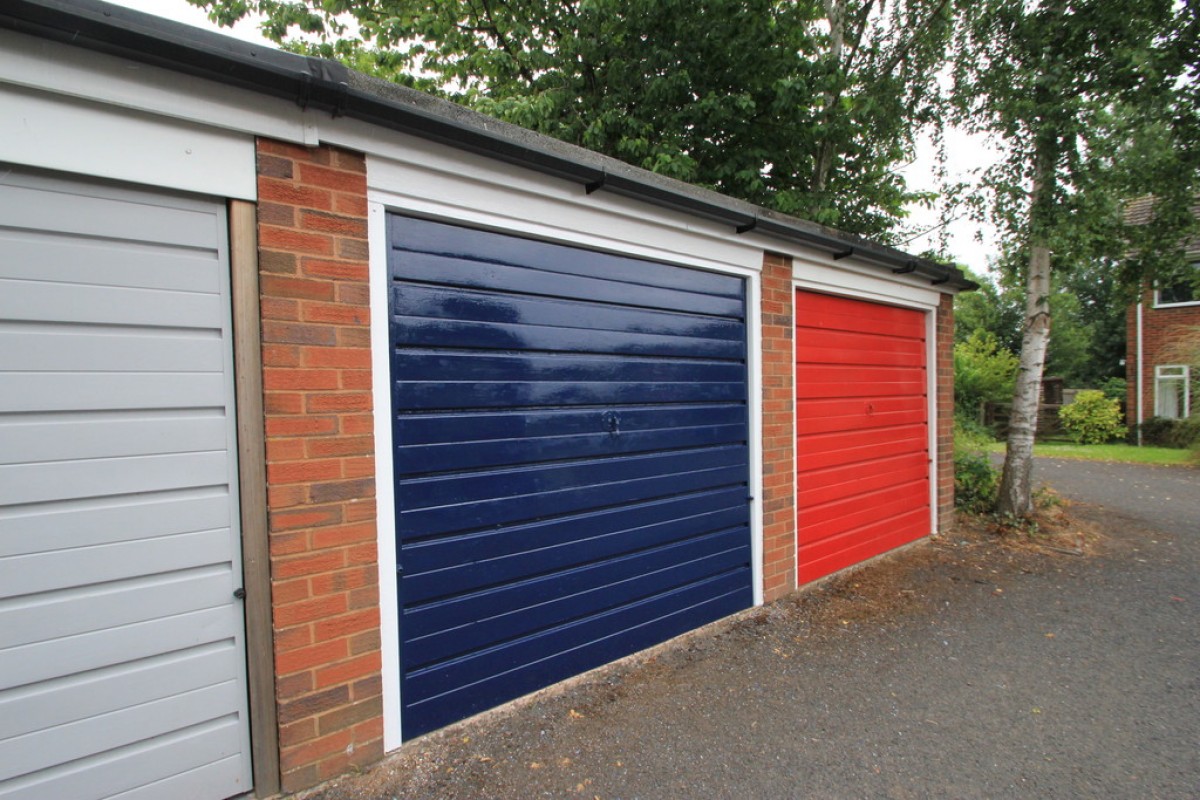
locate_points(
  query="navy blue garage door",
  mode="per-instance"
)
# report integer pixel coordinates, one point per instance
(571, 461)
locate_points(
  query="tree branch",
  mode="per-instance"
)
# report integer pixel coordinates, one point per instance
(904, 48)
(862, 29)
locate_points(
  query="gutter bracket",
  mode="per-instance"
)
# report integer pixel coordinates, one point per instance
(596, 185)
(749, 226)
(940, 281)
(849, 251)
(304, 92)
(910, 266)
(342, 100)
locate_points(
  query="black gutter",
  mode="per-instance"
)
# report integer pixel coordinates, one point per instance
(330, 86)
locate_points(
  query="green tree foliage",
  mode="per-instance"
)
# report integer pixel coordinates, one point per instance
(1088, 344)
(994, 308)
(1097, 310)
(1093, 102)
(806, 107)
(1089, 101)
(984, 372)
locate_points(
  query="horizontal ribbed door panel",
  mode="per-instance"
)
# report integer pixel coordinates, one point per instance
(862, 435)
(571, 461)
(122, 663)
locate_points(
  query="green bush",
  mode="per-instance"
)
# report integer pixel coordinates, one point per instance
(1092, 418)
(1166, 432)
(1186, 433)
(970, 433)
(1156, 432)
(976, 481)
(1114, 388)
(984, 371)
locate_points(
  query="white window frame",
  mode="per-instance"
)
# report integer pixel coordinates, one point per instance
(1172, 373)
(1195, 301)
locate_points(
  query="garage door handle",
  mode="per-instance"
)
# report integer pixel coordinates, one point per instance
(612, 422)
(239, 593)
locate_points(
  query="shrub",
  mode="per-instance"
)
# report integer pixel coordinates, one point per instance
(970, 433)
(1185, 433)
(1092, 418)
(1166, 432)
(1156, 432)
(976, 481)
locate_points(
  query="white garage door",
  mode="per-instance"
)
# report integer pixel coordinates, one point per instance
(122, 663)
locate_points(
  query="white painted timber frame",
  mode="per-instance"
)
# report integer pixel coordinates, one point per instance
(853, 280)
(411, 176)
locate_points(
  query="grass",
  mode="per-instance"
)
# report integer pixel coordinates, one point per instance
(1105, 452)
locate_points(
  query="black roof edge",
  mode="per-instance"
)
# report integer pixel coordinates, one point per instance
(330, 86)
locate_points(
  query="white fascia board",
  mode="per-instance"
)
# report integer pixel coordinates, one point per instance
(57, 68)
(851, 278)
(70, 135)
(437, 181)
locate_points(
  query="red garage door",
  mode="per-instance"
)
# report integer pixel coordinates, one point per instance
(862, 437)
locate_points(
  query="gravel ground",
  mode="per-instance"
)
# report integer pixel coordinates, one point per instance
(961, 667)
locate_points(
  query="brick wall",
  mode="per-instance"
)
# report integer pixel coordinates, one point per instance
(320, 459)
(779, 441)
(1162, 329)
(945, 409)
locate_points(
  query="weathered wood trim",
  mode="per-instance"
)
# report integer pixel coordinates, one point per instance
(256, 565)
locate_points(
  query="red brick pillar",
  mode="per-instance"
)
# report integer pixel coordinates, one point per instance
(945, 412)
(320, 459)
(778, 435)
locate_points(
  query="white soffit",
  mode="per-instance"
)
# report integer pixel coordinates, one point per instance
(857, 280)
(427, 178)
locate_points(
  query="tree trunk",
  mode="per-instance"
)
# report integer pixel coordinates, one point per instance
(1016, 484)
(835, 11)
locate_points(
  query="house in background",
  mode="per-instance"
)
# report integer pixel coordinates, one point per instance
(1160, 382)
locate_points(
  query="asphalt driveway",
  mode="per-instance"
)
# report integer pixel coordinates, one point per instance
(960, 668)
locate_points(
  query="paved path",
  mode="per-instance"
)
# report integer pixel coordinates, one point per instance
(1014, 676)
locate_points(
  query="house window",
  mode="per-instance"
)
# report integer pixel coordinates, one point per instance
(1180, 291)
(1171, 398)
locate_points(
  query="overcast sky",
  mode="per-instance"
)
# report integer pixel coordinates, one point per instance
(964, 152)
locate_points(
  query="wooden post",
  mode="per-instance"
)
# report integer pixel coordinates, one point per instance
(256, 565)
